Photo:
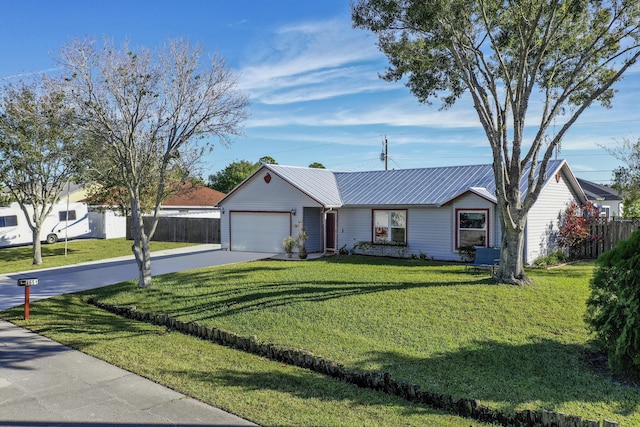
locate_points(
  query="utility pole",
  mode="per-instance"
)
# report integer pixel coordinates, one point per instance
(384, 156)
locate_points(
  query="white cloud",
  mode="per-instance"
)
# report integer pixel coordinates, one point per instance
(315, 55)
(401, 113)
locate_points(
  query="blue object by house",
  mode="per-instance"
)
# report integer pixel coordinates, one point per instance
(485, 259)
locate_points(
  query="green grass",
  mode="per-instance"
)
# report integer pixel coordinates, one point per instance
(20, 258)
(430, 324)
(266, 392)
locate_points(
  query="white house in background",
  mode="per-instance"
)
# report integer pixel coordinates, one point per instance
(606, 199)
(433, 211)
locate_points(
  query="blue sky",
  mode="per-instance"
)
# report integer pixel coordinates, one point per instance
(312, 79)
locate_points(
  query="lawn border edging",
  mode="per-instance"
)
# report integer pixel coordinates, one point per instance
(380, 381)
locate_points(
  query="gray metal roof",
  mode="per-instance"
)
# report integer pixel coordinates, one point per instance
(431, 186)
(404, 187)
(319, 184)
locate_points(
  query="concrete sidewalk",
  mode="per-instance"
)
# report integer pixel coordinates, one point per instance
(43, 383)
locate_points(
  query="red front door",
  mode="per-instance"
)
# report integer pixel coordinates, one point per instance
(331, 231)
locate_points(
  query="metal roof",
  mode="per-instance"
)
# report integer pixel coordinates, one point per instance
(404, 187)
(429, 186)
(319, 184)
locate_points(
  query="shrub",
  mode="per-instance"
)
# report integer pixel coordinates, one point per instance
(574, 227)
(554, 258)
(613, 309)
(467, 253)
(288, 244)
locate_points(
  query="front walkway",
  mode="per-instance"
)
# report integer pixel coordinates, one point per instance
(45, 384)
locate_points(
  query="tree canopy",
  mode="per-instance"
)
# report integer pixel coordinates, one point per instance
(564, 55)
(232, 175)
(150, 116)
(39, 152)
(626, 178)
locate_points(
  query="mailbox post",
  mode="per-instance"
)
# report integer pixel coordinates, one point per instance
(27, 282)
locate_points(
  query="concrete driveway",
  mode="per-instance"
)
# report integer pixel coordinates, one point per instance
(45, 384)
(80, 277)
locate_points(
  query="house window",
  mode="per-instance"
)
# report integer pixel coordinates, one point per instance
(472, 227)
(389, 226)
(605, 211)
(67, 215)
(8, 221)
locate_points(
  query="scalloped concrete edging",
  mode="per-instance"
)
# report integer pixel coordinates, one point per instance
(380, 381)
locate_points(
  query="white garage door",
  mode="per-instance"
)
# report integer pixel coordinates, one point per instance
(258, 231)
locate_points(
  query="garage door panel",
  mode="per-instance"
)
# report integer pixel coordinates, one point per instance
(259, 231)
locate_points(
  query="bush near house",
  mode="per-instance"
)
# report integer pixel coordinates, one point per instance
(554, 258)
(574, 228)
(614, 305)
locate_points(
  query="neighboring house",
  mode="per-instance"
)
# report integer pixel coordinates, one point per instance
(432, 211)
(606, 199)
(73, 193)
(193, 201)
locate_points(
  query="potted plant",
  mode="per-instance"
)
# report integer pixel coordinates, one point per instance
(287, 244)
(301, 238)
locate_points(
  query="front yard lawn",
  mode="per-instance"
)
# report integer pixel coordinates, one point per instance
(430, 324)
(20, 258)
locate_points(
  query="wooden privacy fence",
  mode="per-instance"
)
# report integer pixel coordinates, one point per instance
(606, 233)
(181, 229)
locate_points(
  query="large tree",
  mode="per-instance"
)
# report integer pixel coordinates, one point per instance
(234, 173)
(150, 115)
(39, 153)
(564, 55)
(626, 179)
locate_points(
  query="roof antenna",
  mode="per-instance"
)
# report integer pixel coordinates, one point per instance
(384, 156)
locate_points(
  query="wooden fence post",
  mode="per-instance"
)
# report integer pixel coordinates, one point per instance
(606, 234)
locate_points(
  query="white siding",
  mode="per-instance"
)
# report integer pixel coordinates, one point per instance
(430, 230)
(353, 225)
(258, 195)
(544, 218)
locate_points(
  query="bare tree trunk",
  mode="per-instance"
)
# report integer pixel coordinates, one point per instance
(512, 256)
(37, 246)
(140, 246)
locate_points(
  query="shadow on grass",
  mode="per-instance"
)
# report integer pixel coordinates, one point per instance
(303, 385)
(542, 371)
(69, 316)
(378, 260)
(25, 253)
(210, 303)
